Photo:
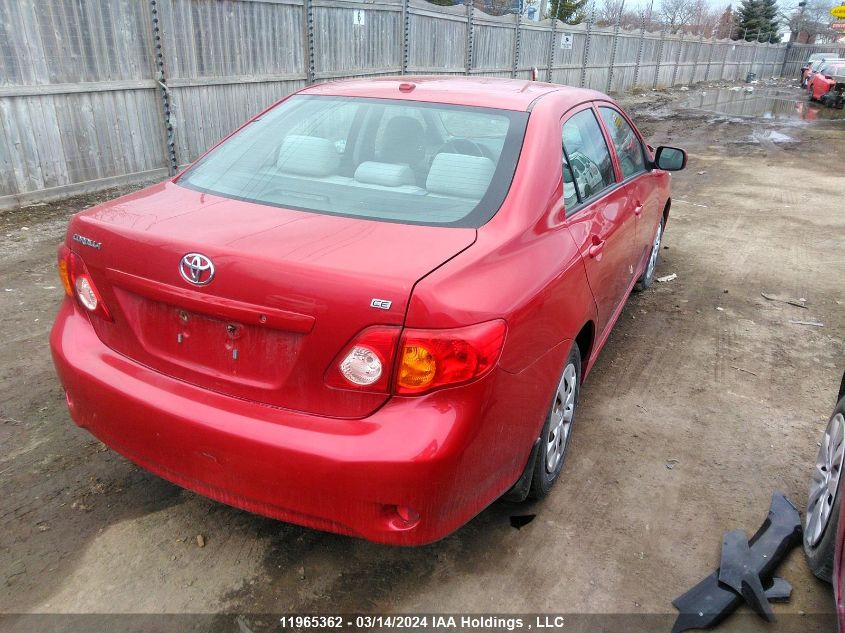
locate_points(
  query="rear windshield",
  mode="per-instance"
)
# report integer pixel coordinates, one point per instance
(380, 159)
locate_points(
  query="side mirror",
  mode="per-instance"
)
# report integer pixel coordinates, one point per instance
(670, 158)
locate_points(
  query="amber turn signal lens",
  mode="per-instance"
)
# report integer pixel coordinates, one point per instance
(64, 276)
(417, 367)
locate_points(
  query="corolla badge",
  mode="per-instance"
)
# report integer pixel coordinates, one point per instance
(197, 269)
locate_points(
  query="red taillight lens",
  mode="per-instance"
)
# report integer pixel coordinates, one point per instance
(78, 284)
(428, 359)
(432, 359)
(366, 363)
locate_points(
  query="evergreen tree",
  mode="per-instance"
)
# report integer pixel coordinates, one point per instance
(757, 20)
(568, 11)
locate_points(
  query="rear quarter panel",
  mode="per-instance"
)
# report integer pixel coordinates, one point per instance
(524, 267)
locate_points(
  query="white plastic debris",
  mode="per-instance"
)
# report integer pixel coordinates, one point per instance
(666, 278)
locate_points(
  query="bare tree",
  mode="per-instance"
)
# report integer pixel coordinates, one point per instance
(811, 23)
(677, 15)
(608, 11)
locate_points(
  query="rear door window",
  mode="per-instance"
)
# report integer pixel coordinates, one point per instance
(625, 140)
(586, 155)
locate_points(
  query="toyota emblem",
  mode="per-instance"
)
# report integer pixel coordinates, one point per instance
(197, 269)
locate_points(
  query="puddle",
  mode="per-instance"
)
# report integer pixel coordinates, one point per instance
(761, 103)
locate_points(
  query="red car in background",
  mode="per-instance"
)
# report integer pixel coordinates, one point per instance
(813, 65)
(371, 308)
(828, 84)
(824, 529)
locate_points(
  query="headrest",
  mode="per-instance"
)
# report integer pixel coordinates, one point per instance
(460, 175)
(403, 141)
(572, 140)
(308, 156)
(385, 174)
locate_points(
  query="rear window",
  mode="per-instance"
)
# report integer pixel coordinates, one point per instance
(380, 159)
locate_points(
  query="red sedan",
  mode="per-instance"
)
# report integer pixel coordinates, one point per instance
(370, 309)
(822, 85)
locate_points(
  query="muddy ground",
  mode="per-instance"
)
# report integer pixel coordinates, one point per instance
(705, 400)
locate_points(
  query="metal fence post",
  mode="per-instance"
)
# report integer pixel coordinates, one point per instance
(164, 91)
(639, 50)
(712, 43)
(587, 49)
(470, 38)
(517, 37)
(754, 55)
(613, 45)
(697, 53)
(677, 59)
(552, 50)
(785, 58)
(308, 41)
(406, 35)
(659, 57)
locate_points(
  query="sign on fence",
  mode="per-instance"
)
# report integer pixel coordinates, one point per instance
(358, 17)
(566, 41)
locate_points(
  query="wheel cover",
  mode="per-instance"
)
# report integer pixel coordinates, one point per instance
(655, 250)
(825, 481)
(563, 410)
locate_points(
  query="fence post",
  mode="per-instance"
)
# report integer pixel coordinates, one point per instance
(308, 41)
(552, 51)
(613, 45)
(725, 54)
(712, 43)
(697, 53)
(517, 37)
(470, 38)
(587, 48)
(677, 59)
(659, 57)
(639, 50)
(785, 58)
(164, 91)
(406, 35)
(754, 54)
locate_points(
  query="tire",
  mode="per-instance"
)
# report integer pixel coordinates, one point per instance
(822, 517)
(557, 429)
(647, 278)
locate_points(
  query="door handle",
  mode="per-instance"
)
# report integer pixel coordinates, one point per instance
(596, 247)
(638, 210)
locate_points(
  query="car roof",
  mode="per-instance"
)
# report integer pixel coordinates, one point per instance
(491, 92)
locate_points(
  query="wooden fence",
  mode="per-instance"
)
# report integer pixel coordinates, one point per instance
(95, 93)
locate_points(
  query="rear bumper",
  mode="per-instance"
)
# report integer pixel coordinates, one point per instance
(345, 476)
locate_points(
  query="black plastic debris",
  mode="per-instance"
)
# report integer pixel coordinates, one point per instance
(737, 571)
(748, 567)
(780, 591)
(520, 520)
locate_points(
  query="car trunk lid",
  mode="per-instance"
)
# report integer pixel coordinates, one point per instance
(290, 289)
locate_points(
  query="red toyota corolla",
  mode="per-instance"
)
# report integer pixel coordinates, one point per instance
(370, 309)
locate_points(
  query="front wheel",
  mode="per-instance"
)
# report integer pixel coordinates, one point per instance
(823, 502)
(557, 430)
(647, 278)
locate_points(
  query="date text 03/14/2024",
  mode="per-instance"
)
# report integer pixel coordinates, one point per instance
(423, 622)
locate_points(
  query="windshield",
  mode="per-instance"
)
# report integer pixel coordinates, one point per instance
(392, 160)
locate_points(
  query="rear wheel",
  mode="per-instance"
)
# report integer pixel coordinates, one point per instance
(822, 517)
(557, 430)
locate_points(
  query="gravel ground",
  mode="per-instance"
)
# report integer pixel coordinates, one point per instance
(705, 400)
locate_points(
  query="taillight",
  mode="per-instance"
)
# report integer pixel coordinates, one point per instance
(77, 283)
(427, 359)
(432, 359)
(366, 363)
